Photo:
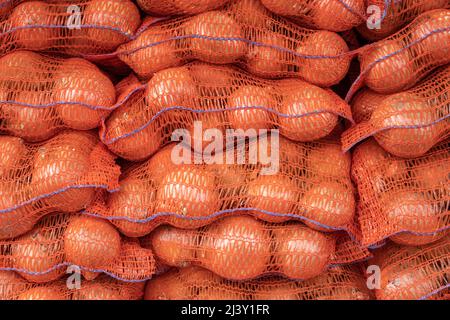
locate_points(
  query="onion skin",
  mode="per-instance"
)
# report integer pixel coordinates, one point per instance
(189, 191)
(245, 119)
(38, 251)
(77, 80)
(43, 293)
(323, 72)
(134, 200)
(307, 99)
(33, 13)
(235, 248)
(391, 75)
(272, 193)
(146, 60)
(330, 204)
(59, 164)
(91, 243)
(215, 24)
(302, 253)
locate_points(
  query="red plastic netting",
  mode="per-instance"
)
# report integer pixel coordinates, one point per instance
(218, 97)
(333, 15)
(179, 7)
(59, 241)
(243, 32)
(194, 283)
(396, 14)
(242, 248)
(410, 273)
(270, 177)
(41, 95)
(14, 287)
(406, 124)
(60, 175)
(401, 60)
(80, 27)
(406, 200)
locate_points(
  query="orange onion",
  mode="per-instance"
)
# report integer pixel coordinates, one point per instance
(330, 204)
(301, 253)
(146, 57)
(235, 248)
(34, 14)
(323, 72)
(78, 80)
(91, 242)
(212, 25)
(61, 163)
(247, 118)
(273, 193)
(306, 99)
(393, 73)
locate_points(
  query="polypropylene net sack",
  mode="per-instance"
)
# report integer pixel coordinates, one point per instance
(69, 27)
(60, 175)
(243, 32)
(59, 241)
(406, 124)
(364, 103)
(411, 273)
(401, 60)
(179, 7)
(334, 15)
(270, 177)
(396, 14)
(40, 95)
(14, 287)
(221, 98)
(406, 200)
(194, 283)
(242, 248)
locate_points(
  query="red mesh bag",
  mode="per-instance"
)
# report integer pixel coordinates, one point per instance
(60, 175)
(406, 200)
(69, 27)
(242, 248)
(177, 7)
(401, 60)
(396, 14)
(411, 273)
(40, 95)
(243, 32)
(58, 241)
(286, 180)
(406, 124)
(222, 98)
(333, 15)
(14, 287)
(194, 283)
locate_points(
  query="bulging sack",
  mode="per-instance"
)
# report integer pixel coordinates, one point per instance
(401, 60)
(71, 27)
(60, 175)
(14, 287)
(406, 124)
(406, 200)
(242, 247)
(194, 283)
(63, 242)
(271, 178)
(340, 15)
(395, 15)
(221, 98)
(41, 95)
(412, 273)
(243, 32)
